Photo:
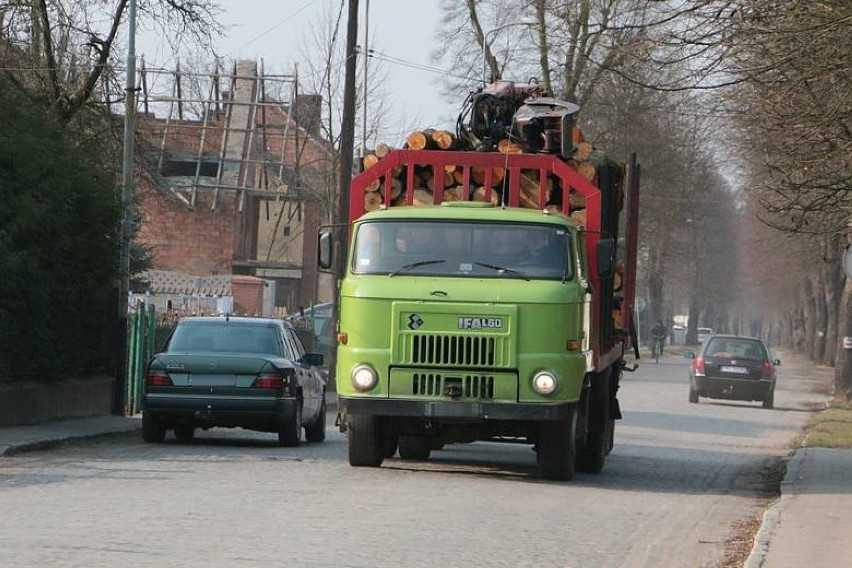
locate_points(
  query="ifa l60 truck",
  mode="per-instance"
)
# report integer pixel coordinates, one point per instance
(494, 311)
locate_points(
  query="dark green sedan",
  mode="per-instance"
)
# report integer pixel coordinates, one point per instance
(232, 372)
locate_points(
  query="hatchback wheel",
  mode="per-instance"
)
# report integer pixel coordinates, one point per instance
(153, 431)
(693, 395)
(769, 400)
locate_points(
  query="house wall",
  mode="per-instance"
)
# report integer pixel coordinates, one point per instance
(201, 240)
(198, 242)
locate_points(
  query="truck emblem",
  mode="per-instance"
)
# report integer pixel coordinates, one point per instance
(480, 323)
(415, 321)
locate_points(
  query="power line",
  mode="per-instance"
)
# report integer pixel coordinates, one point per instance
(272, 28)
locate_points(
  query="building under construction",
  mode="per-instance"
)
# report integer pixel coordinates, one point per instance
(234, 178)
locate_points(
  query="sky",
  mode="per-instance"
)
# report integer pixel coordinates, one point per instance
(274, 29)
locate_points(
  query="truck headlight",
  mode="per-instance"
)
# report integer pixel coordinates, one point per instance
(544, 382)
(364, 377)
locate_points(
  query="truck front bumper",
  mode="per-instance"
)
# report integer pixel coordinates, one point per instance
(461, 410)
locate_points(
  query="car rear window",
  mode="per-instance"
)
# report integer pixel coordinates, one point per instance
(224, 337)
(734, 347)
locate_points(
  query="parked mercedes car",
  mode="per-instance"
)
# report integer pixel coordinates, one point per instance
(231, 372)
(735, 368)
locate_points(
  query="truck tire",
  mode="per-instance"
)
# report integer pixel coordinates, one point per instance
(315, 432)
(592, 454)
(366, 444)
(290, 433)
(153, 431)
(391, 443)
(557, 448)
(413, 447)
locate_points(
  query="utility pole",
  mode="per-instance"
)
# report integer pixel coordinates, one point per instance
(127, 217)
(347, 148)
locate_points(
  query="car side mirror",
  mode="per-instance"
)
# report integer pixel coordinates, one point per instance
(313, 359)
(689, 354)
(325, 246)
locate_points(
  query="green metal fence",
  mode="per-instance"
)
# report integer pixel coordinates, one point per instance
(141, 345)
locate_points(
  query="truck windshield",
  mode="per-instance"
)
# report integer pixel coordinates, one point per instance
(480, 250)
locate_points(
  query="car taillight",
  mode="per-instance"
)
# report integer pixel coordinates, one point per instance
(698, 365)
(269, 381)
(768, 370)
(158, 379)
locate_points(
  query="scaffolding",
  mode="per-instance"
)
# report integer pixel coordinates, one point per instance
(224, 131)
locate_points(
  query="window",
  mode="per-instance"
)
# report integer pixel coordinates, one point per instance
(187, 168)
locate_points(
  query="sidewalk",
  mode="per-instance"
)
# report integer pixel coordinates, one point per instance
(812, 522)
(14, 439)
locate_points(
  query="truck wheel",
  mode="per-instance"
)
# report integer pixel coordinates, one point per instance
(153, 431)
(769, 400)
(390, 445)
(366, 448)
(592, 454)
(290, 433)
(557, 448)
(315, 432)
(415, 447)
(693, 395)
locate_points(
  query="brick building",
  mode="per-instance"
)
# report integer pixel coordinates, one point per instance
(234, 183)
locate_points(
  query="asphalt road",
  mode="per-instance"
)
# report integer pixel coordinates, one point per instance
(680, 482)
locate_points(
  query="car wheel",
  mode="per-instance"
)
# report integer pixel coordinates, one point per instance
(153, 431)
(185, 433)
(290, 433)
(413, 447)
(693, 395)
(769, 400)
(557, 448)
(365, 440)
(315, 432)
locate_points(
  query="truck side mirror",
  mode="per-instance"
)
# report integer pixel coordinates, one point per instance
(606, 258)
(325, 246)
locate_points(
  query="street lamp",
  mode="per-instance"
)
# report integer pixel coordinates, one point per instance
(486, 35)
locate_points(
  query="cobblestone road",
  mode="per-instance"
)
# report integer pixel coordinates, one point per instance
(680, 478)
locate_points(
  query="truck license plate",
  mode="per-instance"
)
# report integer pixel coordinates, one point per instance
(736, 370)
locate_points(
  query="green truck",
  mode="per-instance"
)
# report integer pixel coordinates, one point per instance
(463, 320)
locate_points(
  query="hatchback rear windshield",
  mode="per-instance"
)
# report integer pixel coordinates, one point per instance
(735, 347)
(223, 337)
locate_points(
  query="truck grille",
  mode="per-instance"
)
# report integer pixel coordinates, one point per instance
(454, 350)
(471, 386)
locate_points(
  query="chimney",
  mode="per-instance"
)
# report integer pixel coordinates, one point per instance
(307, 112)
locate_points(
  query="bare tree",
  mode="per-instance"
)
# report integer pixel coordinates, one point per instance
(62, 49)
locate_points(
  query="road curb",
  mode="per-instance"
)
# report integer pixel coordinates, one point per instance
(772, 516)
(53, 443)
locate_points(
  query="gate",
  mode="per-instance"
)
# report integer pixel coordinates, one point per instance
(141, 345)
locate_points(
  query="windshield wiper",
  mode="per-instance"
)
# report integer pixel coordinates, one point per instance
(503, 269)
(407, 267)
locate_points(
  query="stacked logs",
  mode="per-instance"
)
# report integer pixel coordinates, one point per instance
(586, 160)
